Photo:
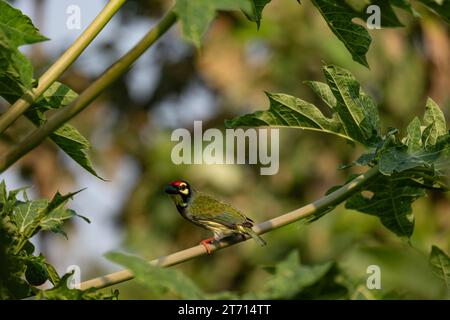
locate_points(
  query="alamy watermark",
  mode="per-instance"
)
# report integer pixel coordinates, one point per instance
(74, 281)
(73, 21)
(235, 146)
(374, 19)
(374, 280)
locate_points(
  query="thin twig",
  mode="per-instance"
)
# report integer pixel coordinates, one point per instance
(325, 203)
(88, 95)
(60, 65)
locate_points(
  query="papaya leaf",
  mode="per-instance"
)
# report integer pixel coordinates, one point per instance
(290, 279)
(354, 114)
(33, 216)
(16, 29)
(440, 263)
(389, 199)
(339, 15)
(196, 15)
(357, 111)
(158, 279)
(67, 137)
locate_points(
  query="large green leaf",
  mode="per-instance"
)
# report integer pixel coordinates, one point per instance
(32, 216)
(355, 115)
(390, 199)
(16, 29)
(290, 280)
(428, 149)
(357, 111)
(67, 137)
(157, 279)
(339, 15)
(16, 71)
(399, 158)
(290, 112)
(70, 140)
(196, 15)
(441, 265)
(26, 213)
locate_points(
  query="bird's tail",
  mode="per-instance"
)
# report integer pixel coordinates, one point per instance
(256, 237)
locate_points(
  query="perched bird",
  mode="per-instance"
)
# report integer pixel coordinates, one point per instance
(209, 213)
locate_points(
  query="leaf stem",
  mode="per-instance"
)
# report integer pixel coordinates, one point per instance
(315, 207)
(88, 95)
(61, 65)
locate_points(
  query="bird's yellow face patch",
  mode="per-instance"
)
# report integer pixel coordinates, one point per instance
(182, 188)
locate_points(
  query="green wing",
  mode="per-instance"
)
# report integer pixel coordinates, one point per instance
(206, 208)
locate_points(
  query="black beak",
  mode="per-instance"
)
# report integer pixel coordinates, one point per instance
(171, 189)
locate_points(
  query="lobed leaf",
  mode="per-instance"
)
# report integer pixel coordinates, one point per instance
(67, 137)
(357, 111)
(16, 29)
(390, 199)
(339, 15)
(196, 15)
(291, 280)
(355, 115)
(440, 263)
(36, 215)
(158, 279)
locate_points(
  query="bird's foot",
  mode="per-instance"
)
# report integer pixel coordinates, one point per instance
(206, 243)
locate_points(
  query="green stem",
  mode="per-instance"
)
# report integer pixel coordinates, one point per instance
(325, 203)
(61, 65)
(86, 97)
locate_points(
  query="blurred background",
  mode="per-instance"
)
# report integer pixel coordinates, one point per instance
(174, 84)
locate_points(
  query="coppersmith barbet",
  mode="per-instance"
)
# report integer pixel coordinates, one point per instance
(210, 213)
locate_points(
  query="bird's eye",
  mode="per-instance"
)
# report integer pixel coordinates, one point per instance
(183, 187)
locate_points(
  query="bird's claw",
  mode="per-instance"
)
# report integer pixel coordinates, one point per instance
(206, 242)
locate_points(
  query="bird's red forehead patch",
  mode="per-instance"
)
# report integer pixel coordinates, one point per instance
(176, 183)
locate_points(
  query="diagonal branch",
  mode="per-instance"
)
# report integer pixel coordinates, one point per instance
(61, 65)
(318, 206)
(87, 96)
